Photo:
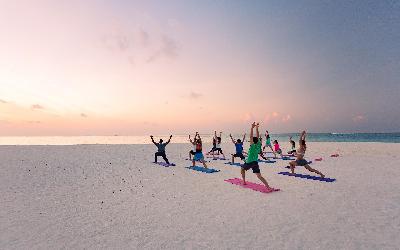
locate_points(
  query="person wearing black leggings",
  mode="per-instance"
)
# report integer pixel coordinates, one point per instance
(161, 149)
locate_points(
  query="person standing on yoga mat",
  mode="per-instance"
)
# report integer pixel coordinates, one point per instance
(161, 149)
(218, 144)
(239, 148)
(193, 151)
(261, 154)
(252, 158)
(277, 148)
(300, 161)
(198, 156)
(268, 142)
(214, 147)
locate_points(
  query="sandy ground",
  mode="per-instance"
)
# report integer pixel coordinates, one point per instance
(112, 196)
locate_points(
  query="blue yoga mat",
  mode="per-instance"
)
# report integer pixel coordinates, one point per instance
(288, 159)
(264, 161)
(187, 159)
(308, 177)
(233, 164)
(202, 169)
(217, 158)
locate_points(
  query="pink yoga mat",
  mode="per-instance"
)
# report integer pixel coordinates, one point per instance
(254, 186)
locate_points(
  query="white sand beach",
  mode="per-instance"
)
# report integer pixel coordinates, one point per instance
(112, 196)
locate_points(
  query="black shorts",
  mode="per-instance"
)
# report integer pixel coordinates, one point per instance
(240, 155)
(162, 154)
(253, 165)
(301, 162)
(192, 152)
(217, 149)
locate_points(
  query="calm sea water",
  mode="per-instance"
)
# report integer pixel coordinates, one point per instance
(312, 137)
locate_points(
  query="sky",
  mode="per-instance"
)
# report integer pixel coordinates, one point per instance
(125, 67)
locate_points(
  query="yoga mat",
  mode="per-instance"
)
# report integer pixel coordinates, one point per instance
(222, 159)
(233, 164)
(250, 185)
(215, 158)
(202, 169)
(164, 164)
(187, 159)
(304, 176)
(264, 161)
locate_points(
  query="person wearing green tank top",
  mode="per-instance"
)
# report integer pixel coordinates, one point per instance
(268, 143)
(252, 158)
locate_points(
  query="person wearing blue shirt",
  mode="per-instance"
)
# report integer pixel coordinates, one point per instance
(239, 148)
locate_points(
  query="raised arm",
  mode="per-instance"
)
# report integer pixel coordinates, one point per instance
(152, 139)
(303, 135)
(169, 140)
(251, 132)
(257, 131)
(215, 134)
(190, 139)
(244, 137)
(232, 139)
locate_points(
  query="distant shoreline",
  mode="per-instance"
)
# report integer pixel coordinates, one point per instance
(282, 138)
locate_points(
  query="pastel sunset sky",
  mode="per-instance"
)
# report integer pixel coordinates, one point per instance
(100, 67)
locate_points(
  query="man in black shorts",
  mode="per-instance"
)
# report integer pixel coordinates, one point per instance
(161, 149)
(239, 148)
(252, 158)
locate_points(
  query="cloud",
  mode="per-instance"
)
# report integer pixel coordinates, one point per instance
(195, 95)
(36, 106)
(286, 118)
(119, 41)
(83, 115)
(134, 45)
(358, 118)
(277, 117)
(2, 101)
(248, 117)
(168, 49)
(143, 38)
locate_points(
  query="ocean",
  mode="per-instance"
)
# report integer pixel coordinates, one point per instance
(74, 140)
